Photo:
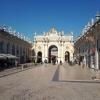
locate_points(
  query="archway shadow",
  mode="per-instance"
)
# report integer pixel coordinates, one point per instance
(56, 75)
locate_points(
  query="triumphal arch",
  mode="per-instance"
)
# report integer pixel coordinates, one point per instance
(53, 45)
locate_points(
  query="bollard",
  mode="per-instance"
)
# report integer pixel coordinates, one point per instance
(96, 74)
(22, 67)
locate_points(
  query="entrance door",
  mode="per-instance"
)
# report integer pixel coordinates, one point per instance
(39, 57)
(52, 54)
(67, 56)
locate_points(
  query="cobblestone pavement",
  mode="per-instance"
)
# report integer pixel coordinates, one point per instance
(50, 82)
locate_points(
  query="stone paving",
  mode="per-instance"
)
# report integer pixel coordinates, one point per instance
(50, 82)
(13, 70)
(78, 73)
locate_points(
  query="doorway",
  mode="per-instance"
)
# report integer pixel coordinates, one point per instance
(52, 54)
(67, 56)
(39, 57)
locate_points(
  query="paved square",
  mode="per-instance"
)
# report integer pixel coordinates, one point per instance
(50, 82)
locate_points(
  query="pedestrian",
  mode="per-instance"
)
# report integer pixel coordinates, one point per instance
(60, 62)
(83, 63)
(57, 61)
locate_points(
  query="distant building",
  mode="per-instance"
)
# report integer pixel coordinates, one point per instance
(53, 45)
(87, 46)
(12, 44)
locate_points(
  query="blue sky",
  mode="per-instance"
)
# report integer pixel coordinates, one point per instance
(29, 16)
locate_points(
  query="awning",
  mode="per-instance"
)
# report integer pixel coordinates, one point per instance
(2, 56)
(7, 56)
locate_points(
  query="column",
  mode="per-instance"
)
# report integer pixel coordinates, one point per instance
(59, 47)
(62, 52)
(46, 52)
(43, 52)
(35, 53)
(96, 53)
(96, 60)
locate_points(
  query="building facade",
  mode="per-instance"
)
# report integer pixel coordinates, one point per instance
(53, 45)
(12, 44)
(87, 46)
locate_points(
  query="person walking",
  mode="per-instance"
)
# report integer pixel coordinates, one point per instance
(83, 63)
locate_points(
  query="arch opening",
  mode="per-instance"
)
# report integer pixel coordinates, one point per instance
(52, 54)
(39, 57)
(67, 56)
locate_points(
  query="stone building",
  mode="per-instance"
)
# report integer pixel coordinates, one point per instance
(53, 45)
(87, 46)
(12, 44)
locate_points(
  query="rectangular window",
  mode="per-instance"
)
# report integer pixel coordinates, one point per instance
(1, 47)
